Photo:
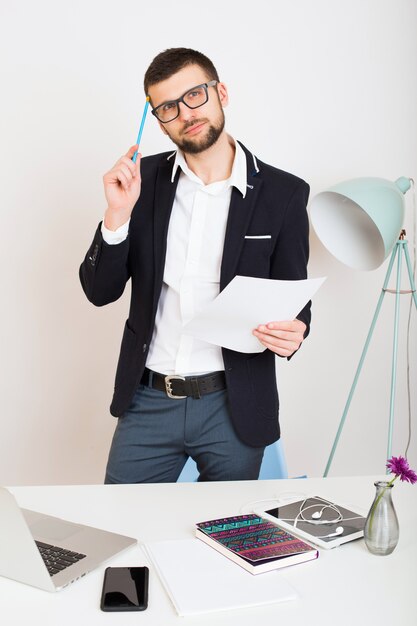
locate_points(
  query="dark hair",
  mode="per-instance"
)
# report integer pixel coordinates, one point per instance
(171, 61)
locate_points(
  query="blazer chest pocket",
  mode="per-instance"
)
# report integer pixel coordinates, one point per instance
(257, 237)
(255, 257)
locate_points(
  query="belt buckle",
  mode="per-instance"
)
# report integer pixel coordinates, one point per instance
(168, 386)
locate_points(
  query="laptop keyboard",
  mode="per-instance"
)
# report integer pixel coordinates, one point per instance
(56, 559)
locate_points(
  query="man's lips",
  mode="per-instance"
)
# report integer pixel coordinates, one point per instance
(194, 128)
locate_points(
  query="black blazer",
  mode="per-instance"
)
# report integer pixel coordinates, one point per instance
(275, 204)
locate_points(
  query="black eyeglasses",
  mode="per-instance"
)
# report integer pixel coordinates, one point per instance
(193, 98)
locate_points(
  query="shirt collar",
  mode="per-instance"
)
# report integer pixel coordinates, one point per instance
(238, 177)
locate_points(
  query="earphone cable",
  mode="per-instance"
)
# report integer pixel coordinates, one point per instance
(281, 500)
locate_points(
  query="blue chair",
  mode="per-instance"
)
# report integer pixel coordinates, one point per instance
(189, 473)
(273, 465)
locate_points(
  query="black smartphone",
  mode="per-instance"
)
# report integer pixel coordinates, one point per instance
(125, 589)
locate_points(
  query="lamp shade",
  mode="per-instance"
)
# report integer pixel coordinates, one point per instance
(359, 220)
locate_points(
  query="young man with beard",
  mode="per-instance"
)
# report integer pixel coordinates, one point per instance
(181, 225)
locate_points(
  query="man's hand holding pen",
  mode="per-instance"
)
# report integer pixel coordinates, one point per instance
(122, 189)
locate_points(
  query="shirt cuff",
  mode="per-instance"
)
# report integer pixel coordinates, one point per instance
(113, 237)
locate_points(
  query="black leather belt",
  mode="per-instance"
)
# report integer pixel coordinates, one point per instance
(179, 387)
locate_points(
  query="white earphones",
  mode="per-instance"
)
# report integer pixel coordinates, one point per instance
(338, 531)
(315, 518)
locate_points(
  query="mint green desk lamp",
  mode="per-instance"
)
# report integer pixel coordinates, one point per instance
(360, 222)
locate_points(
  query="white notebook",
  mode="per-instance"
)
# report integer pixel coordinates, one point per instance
(200, 580)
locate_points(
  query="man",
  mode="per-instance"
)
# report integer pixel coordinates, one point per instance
(181, 225)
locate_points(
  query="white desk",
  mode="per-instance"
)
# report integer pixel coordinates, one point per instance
(345, 586)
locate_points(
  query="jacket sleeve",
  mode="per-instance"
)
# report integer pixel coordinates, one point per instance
(290, 257)
(105, 271)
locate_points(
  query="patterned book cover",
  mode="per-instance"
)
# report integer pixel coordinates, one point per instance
(253, 537)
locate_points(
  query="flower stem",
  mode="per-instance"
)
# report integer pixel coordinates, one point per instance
(375, 504)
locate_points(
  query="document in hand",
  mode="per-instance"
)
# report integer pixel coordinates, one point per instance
(254, 543)
(246, 302)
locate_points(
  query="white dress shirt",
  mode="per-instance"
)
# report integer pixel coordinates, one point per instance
(192, 267)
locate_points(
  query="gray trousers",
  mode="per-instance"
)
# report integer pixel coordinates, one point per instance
(157, 434)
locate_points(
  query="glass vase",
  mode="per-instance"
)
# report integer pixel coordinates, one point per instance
(382, 531)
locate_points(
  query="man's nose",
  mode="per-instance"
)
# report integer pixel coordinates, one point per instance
(185, 112)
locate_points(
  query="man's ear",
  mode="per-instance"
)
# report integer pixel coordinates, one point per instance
(223, 95)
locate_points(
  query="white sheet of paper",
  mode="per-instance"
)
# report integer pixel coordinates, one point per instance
(200, 580)
(245, 303)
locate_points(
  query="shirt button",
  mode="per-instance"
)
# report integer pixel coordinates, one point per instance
(144, 347)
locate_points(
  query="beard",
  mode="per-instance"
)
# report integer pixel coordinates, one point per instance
(198, 145)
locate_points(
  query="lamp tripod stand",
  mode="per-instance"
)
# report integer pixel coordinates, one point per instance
(400, 249)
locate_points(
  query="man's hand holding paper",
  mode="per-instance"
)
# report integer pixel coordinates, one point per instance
(283, 338)
(230, 319)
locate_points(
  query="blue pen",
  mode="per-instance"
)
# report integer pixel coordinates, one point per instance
(145, 110)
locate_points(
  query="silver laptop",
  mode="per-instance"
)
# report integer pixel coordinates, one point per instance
(48, 552)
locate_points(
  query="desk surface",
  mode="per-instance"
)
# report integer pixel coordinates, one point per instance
(349, 586)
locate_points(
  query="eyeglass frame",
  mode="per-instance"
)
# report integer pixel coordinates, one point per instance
(205, 86)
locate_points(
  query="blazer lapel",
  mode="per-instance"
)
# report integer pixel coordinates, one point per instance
(164, 199)
(240, 213)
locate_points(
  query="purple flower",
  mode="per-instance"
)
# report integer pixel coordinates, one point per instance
(399, 466)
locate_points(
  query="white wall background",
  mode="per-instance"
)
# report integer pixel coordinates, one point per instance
(325, 89)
